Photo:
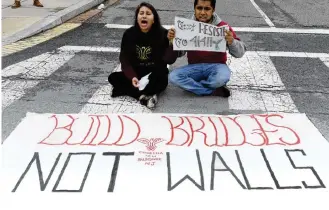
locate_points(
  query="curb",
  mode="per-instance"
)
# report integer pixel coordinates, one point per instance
(85, 17)
(93, 14)
(52, 20)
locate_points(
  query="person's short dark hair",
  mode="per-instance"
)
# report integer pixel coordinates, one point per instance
(212, 3)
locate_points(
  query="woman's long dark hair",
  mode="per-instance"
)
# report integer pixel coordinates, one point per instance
(156, 31)
(156, 26)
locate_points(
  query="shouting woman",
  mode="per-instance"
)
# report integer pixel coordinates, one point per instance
(145, 53)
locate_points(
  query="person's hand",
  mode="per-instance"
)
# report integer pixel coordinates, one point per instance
(171, 34)
(135, 82)
(229, 37)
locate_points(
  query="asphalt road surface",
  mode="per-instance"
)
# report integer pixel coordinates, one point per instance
(285, 72)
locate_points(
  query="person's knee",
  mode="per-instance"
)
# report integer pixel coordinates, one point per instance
(175, 77)
(115, 78)
(110, 78)
(161, 82)
(221, 79)
(172, 77)
(159, 78)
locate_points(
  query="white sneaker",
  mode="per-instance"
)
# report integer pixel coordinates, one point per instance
(152, 101)
(143, 99)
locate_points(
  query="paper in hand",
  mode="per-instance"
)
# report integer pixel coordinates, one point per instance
(143, 82)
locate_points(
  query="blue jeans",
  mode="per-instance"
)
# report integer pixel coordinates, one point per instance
(201, 79)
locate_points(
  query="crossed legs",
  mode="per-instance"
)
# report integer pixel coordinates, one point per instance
(202, 79)
(158, 82)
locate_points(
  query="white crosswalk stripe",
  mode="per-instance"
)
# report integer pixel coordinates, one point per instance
(29, 73)
(256, 85)
(69, 48)
(266, 18)
(102, 102)
(255, 82)
(249, 29)
(325, 60)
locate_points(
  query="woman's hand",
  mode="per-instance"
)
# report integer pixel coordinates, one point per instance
(135, 82)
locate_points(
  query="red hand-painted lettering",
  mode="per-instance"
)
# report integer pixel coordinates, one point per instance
(136, 137)
(198, 130)
(177, 127)
(116, 143)
(67, 128)
(240, 128)
(261, 132)
(216, 132)
(294, 142)
(90, 128)
(110, 126)
(93, 141)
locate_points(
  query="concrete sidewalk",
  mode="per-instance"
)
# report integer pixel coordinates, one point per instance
(29, 20)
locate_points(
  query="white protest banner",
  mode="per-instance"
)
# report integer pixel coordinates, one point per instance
(194, 35)
(153, 154)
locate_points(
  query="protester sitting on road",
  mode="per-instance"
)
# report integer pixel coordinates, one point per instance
(145, 50)
(18, 4)
(207, 72)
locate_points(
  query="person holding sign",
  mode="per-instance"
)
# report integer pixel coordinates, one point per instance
(207, 72)
(145, 53)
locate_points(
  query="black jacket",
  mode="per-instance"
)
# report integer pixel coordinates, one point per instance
(142, 53)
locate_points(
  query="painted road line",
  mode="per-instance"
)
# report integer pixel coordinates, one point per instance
(102, 102)
(14, 90)
(256, 71)
(282, 30)
(291, 54)
(24, 66)
(70, 48)
(249, 29)
(37, 39)
(27, 74)
(89, 49)
(256, 85)
(325, 60)
(267, 19)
